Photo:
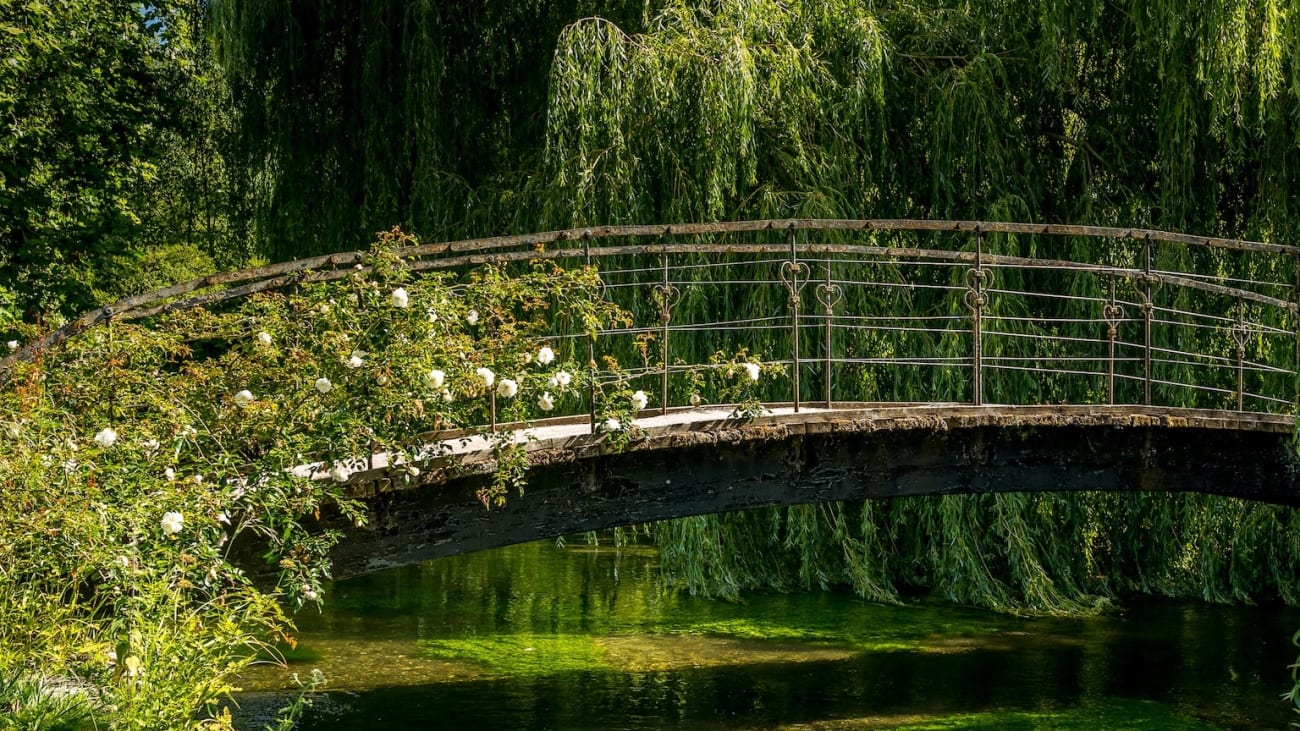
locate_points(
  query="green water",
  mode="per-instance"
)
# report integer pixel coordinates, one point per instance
(537, 636)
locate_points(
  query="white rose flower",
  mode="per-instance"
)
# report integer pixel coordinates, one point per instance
(172, 523)
(612, 424)
(507, 388)
(324, 308)
(752, 370)
(169, 473)
(487, 376)
(639, 400)
(323, 385)
(545, 402)
(198, 479)
(13, 345)
(695, 399)
(545, 355)
(244, 398)
(471, 317)
(339, 473)
(399, 298)
(106, 437)
(433, 379)
(264, 338)
(310, 595)
(355, 360)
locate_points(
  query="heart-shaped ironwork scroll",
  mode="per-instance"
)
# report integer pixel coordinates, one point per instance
(668, 297)
(979, 278)
(1144, 283)
(1241, 335)
(1113, 314)
(829, 295)
(794, 275)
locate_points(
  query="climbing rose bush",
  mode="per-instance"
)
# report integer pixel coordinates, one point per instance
(147, 468)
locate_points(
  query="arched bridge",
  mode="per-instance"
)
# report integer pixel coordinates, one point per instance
(702, 461)
(857, 359)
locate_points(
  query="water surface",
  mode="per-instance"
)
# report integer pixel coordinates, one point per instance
(538, 636)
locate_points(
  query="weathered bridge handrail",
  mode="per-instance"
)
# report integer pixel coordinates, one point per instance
(785, 250)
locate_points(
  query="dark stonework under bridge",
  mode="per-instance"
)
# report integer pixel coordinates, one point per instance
(694, 462)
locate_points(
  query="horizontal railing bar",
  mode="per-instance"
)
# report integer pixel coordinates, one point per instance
(919, 360)
(886, 318)
(1042, 336)
(576, 243)
(1255, 327)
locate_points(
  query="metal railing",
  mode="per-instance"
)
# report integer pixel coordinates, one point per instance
(895, 310)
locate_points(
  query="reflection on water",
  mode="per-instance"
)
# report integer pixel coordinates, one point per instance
(536, 636)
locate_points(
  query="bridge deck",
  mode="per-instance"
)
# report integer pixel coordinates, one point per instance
(571, 438)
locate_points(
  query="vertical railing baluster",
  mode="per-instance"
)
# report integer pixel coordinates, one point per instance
(790, 271)
(1112, 313)
(976, 298)
(1295, 317)
(1241, 336)
(1148, 311)
(828, 294)
(667, 297)
(591, 344)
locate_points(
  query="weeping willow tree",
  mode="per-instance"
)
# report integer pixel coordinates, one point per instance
(463, 118)
(424, 113)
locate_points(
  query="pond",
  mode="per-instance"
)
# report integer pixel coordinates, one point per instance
(585, 637)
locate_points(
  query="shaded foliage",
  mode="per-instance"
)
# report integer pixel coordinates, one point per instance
(101, 145)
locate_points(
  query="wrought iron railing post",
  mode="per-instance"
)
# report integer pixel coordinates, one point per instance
(1112, 313)
(1295, 318)
(790, 271)
(828, 294)
(1148, 310)
(1241, 336)
(591, 345)
(976, 299)
(667, 297)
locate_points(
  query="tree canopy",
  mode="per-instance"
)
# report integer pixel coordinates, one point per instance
(454, 119)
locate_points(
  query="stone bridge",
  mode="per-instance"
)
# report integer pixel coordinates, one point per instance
(1120, 359)
(699, 461)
